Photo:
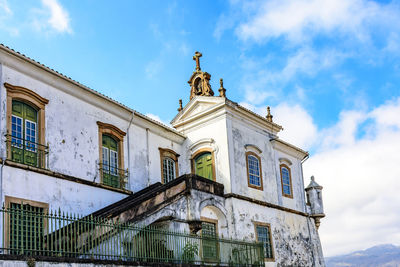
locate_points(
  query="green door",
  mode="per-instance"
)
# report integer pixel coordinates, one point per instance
(203, 165)
(24, 134)
(110, 161)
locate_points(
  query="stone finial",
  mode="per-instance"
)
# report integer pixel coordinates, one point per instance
(312, 178)
(180, 105)
(221, 89)
(269, 116)
(196, 57)
(317, 221)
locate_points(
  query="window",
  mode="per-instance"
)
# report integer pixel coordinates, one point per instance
(168, 169)
(254, 176)
(209, 241)
(25, 126)
(286, 181)
(111, 155)
(25, 225)
(110, 161)
(203, 164)
(169, 165)
(24, 134)
(263, 235)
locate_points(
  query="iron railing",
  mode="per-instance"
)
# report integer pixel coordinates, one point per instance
(27, 152)
(112, 176)
(33, 231)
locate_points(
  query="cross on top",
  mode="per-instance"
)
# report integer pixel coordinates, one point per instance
(196, 57)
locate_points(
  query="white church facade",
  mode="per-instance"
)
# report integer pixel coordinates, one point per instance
(221, 167)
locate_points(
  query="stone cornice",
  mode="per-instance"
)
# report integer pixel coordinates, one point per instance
(289, 148)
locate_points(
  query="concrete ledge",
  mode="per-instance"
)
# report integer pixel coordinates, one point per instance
(63, 176)
(38, 261)
(266, 204)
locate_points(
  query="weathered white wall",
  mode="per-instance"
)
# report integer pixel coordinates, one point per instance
(215, 129)
(146, 170)
(58, 193)
(298, 200)
(294, 237)
(73, 136)
(231, 132)
(244, 134)
(71, 129)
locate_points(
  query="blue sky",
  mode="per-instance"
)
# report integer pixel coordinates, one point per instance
(329, 69)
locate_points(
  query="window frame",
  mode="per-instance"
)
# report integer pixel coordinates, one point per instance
(215, 222)
(168, 153)
(34, 100)
(6, 227)
(199, 153)
(118, 135)
(262, 224)
(290, 180)
(261, 186)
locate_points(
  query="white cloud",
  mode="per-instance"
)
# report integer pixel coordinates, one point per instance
(359, 173)
(157, 118)
(309, 61)
(59, 17)
(299, 20)
(360, 179)
(256, 97)
(224, 22)
(344, 132)
(153, 68)
(264, 80)
(4, 8)
(6, 15)
(52, 17)
(184, 49)
(299, 128)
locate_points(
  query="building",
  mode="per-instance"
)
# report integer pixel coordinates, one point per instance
(68, 147)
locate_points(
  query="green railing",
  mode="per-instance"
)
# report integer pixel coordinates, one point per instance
(30, 230)
(112, 176)
(27, 152)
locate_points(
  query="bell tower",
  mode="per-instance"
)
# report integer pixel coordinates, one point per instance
(200, 80)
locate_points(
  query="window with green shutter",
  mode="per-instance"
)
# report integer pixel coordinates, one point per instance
(110, 161)
(210, 241)
(24, 134)
(203, 165)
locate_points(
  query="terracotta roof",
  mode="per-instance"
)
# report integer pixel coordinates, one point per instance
(69, 79)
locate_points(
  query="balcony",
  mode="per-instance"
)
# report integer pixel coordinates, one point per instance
(27, 152)
(113, 176)
(34, 232)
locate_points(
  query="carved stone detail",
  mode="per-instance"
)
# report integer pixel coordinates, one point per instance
(200, 80)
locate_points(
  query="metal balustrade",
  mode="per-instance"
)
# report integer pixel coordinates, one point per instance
(27, 152)
(33, 231)
(112, 176)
